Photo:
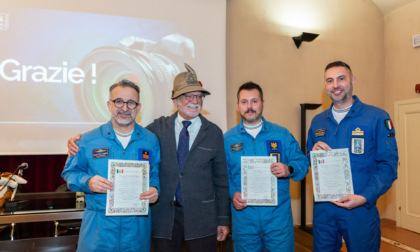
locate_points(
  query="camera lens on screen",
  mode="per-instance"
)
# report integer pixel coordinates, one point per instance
(152, 65)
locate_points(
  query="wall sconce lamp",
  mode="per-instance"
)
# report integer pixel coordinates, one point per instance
(417, 88)
(305, 36)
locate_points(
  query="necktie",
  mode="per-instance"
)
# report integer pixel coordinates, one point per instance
(183, 149)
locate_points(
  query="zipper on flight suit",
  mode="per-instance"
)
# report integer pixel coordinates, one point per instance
(127, 146)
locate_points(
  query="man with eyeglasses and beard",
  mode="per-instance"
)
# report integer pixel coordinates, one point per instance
(121, 138)
(193, 205)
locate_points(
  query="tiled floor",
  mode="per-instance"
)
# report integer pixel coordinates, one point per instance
(393, 239)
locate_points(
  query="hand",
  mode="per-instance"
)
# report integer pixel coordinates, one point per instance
(72, 146)
(351, 201)
(238, 202)
(321, 146)
(100, 184)
(222, 232)
(151, 195)
(280, 170)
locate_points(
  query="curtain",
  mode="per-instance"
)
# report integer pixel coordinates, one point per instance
(43, 173)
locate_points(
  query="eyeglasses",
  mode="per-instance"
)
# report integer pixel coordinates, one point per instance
(190, 97)
(120, 103)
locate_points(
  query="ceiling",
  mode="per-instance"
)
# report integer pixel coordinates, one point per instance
(387, 6)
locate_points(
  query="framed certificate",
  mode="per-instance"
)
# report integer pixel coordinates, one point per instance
(331, 174)
(130, 179)
(258, 184)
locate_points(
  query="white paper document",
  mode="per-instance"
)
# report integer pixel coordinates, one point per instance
(258, 184)
(130, 179)
(331, 174)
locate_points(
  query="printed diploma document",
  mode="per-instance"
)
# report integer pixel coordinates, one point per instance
(130, 179)
(258, 184)
(331, 174)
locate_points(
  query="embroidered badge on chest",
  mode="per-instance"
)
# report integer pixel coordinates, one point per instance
(358, 141)
(358, 146)
(274, 146)
(320, 132)
(357, 132)
(236, 147)
(274, 149)
(100, 153)
(146, 155)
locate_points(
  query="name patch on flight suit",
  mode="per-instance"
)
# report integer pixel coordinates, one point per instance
(144, 155)
(276, 155)
(236, 147)
(357, 141)
(100, 153)
(274, 149)
(320, 132)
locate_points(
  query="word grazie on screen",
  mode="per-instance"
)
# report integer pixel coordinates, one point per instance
(12, 70)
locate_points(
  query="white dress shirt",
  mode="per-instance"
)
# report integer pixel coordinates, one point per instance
(192, 129)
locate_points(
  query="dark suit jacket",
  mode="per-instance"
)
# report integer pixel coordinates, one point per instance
(203, 179)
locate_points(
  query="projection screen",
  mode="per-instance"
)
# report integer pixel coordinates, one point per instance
(58, 59)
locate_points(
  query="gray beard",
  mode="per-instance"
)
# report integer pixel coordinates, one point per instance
(123, 123)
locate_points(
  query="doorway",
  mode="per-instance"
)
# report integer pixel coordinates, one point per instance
(408, 187)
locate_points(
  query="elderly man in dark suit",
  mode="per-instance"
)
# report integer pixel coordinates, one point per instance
(194, 199)
(193, 205)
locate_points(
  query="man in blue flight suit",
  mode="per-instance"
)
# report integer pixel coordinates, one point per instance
(369, 135)
(259, 227)
(123, 139)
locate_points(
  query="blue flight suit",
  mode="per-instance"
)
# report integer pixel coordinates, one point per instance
(96, 147)
(368, 134)
(256, 227)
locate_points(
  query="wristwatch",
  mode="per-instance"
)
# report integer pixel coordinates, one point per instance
(291, 170)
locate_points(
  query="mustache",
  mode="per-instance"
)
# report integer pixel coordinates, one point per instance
(250, 110)
(124, 113)
(193, 106)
